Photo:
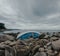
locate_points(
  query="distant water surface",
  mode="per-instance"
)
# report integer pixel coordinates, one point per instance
(15, 31)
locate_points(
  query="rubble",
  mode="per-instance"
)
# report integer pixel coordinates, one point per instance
(46, 46)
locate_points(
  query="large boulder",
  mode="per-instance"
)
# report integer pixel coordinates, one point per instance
(6, 37)
(9, 51)
(56, 45)
(22, 50)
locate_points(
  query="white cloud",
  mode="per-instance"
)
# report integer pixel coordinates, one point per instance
(30, 14)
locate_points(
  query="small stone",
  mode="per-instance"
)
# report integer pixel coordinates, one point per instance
(41, 49)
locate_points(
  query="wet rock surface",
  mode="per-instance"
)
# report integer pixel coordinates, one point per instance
(45, 46)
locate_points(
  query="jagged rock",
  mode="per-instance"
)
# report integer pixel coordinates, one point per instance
(2, 45)
(49, 45)
(7, 42)
(42, 36)
(44, 41)
(35, 49)
(46, 36)
(20, 42)
(54, 38)
(13, 43)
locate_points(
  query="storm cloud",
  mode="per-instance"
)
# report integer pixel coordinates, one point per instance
(30, 14)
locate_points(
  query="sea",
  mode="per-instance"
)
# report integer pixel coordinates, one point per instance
(19, 30)
(22, 31)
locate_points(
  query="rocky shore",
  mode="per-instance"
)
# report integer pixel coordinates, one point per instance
(45, 45)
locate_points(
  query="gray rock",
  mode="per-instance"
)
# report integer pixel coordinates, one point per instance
(54, 38)
(46, 37)
(9, 51)
(40, 54)
(56, 45)
(6, 37)
(52, 53)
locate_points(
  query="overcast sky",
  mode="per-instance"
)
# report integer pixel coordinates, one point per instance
(30, 14)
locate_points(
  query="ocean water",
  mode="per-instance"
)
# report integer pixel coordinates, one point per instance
(43, 30)
(15, 31)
